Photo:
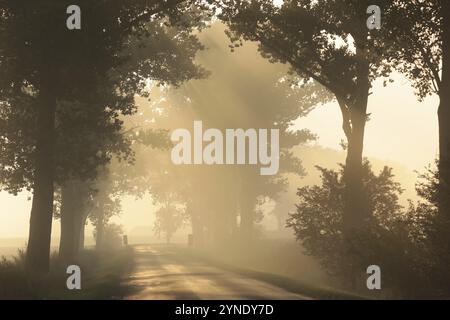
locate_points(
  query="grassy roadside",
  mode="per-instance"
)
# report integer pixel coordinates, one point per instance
(289, 284)
(101, 277)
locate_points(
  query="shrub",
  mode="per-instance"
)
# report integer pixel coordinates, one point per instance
(399, 240)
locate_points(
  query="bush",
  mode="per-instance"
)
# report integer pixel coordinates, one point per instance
(398, 240)
(13, 282)
(112, 239)
(430, 229)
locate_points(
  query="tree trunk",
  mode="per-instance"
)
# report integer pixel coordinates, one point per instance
(38, 250)
(281, 221)
(246, 198)
(82, 231)
(247, 218)
(68, 212)
(99, 235)
(72, 213)
(197, 230)
(444, 117)
(356, 206)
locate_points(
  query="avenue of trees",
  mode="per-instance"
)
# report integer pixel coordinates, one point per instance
(50, 74)
(85, 118)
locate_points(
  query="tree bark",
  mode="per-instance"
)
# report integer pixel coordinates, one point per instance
(38, 250)
(82, 231)
(247, 218)
(72, 213)
(356, 206)
(100, 228)
(68, 208)
(444, 117)
(197, 230)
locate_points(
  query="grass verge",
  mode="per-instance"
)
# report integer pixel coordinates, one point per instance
(101, 277)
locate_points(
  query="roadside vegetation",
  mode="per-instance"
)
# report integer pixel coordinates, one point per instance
(101, 276)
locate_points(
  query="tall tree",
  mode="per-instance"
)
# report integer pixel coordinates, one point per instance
(104, 203)
(169, 218)
(329, 42)
(421, 42)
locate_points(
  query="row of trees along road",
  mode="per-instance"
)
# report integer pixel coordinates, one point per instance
(53, 79)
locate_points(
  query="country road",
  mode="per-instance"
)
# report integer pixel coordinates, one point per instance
(160, 273)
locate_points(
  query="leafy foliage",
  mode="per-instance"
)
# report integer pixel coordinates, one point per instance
(416, 40)
(318, 220)
(169, 218)
(97, 73)
(410, 246)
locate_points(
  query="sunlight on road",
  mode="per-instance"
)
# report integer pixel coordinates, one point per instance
(161, 274)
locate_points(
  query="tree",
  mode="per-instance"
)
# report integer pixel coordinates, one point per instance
(73, 213)
(422, 52)
(328, 42)
(104, 204)
(169, 218)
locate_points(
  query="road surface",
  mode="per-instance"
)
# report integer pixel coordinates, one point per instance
(162, 274)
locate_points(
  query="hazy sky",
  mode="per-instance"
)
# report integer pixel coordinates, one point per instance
(15, 214)
(400, 129)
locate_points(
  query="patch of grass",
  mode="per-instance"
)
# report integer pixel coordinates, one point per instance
(101, 277)
(13, 282)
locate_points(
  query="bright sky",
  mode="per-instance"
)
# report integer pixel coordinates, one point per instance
(400, 129)
(15, 215)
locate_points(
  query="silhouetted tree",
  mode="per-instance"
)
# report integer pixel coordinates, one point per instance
(104, 203)
(169, 218)
(421, 42)
(328, 42)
